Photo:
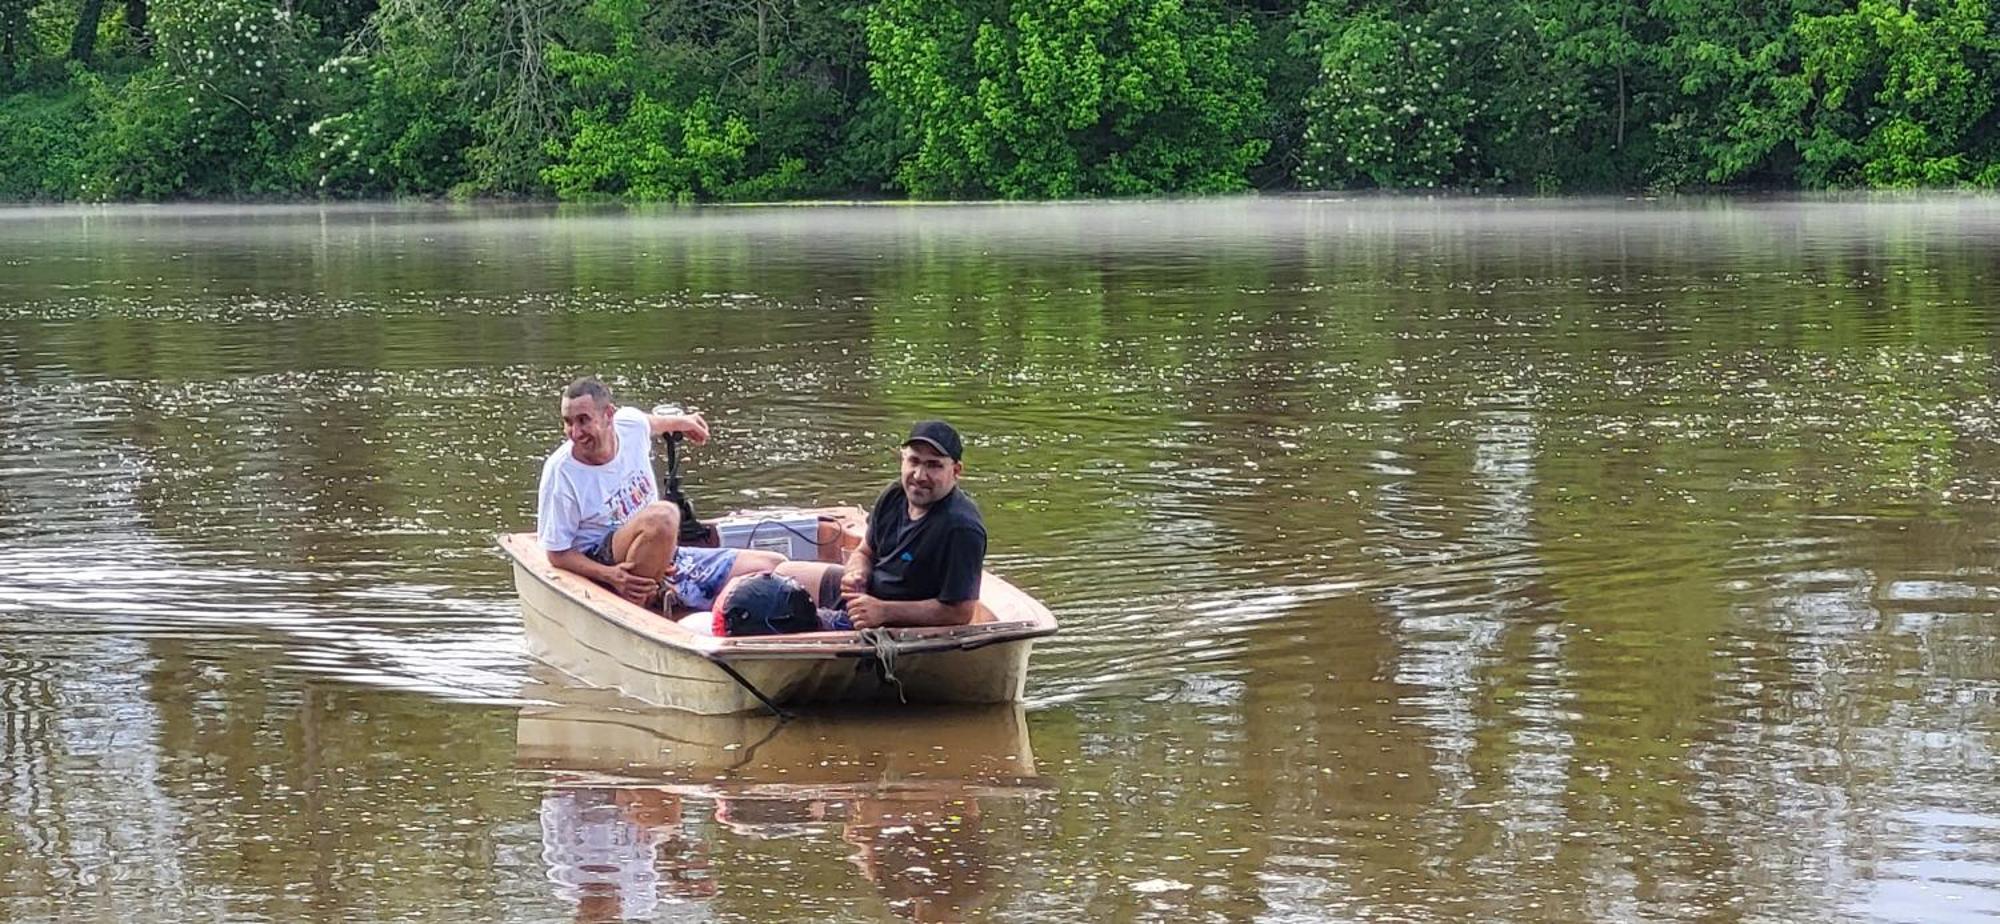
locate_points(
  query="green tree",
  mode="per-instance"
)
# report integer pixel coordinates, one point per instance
(221, 113)
(1049, 98)
(138, 28)
(737, 99)
(1737, 99)
(83, 39)
(519, 101)
(1496, 95)
(15, 40)
(653, 150)
(44, 152)
(773, 99)
(398, 116)
(1288, 72)
(1903, 95)
(642, 133)
(1391, 108)
(1570, 99)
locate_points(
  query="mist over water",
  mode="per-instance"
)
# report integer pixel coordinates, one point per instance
(1430, 560)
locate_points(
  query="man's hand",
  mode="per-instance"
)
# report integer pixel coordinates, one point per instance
(855, 573)
(864, 611)
(692, 426)
(634, 587)
(867, 611)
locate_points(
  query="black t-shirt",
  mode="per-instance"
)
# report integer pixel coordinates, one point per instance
(938, 557)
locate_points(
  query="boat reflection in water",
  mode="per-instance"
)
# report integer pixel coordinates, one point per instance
(628, 786)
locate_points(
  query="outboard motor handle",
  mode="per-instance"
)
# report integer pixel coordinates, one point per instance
(693, 532)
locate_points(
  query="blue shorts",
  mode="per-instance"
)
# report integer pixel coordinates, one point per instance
(698, 573)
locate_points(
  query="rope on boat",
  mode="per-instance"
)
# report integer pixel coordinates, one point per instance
(886, 651)
(745, 683)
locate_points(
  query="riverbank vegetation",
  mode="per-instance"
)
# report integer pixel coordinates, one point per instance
(751, 100)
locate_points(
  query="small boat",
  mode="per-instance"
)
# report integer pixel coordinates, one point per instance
(592, 634)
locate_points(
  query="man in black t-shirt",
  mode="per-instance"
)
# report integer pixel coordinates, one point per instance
(926, 544)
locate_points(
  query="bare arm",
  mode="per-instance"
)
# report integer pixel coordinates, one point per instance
(868, 612)
(927, 612)
(692, 426)
(854, 576)
(631, 586)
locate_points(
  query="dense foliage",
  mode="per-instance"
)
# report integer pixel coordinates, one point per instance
(1062, 98)
(689, 100)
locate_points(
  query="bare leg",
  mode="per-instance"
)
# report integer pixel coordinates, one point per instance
(751, 561)
(812, 574)
(645, 544)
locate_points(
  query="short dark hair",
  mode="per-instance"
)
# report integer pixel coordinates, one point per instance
(588, 385)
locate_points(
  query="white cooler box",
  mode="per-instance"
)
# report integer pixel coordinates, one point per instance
(795, 536)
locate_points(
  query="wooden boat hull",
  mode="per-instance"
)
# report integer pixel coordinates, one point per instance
(586, 631)
(633, 660)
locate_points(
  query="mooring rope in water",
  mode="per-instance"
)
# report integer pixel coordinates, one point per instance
(886, 651)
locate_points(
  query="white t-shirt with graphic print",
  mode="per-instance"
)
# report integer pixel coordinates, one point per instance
(580, 505)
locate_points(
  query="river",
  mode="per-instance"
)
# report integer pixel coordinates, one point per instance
(1416, 559)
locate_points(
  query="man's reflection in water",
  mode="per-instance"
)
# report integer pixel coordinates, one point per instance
(612, 851)
(765, 817)
(924, 851)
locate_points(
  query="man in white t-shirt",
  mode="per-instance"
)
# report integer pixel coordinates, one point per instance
(599, 512)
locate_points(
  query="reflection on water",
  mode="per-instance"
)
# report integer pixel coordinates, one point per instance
(924, 852)
(1417, 559)
(626, 852)
(903, 791)
(616, 853)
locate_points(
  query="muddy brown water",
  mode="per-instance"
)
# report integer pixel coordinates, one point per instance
(1417, 560)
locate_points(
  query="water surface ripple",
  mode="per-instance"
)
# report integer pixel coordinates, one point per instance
(1417, 560)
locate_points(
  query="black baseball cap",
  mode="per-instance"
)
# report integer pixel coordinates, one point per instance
(938, 435)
